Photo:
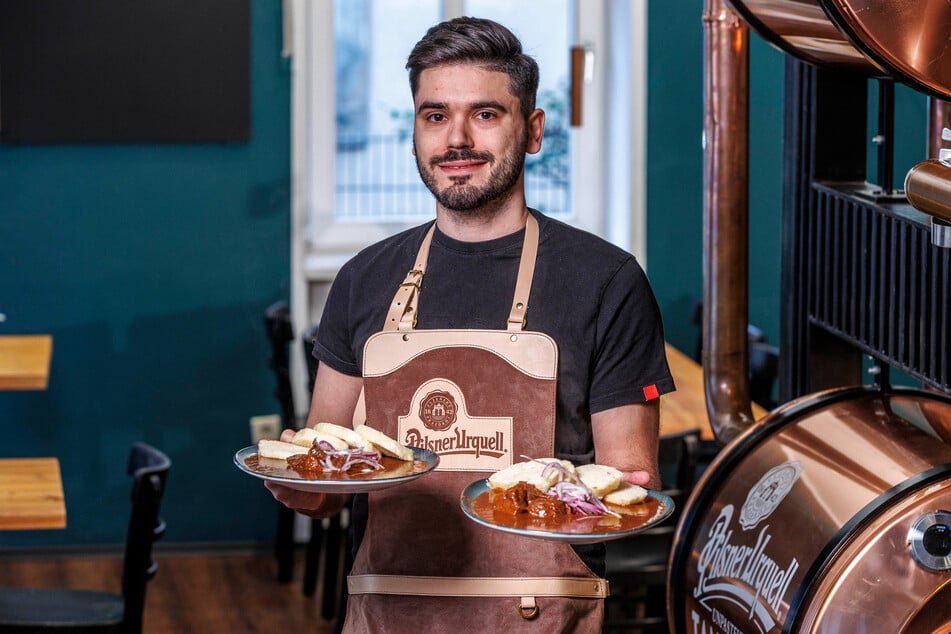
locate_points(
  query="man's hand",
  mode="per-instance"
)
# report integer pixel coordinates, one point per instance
(640, 478)
(316, 505)
(334, 398)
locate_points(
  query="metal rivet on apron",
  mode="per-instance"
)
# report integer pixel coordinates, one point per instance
(520, 305)
(405, 337)
(513, 338)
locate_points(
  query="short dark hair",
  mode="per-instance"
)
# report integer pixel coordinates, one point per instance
(468, 40)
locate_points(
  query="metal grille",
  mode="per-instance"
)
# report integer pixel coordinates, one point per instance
(876, 280)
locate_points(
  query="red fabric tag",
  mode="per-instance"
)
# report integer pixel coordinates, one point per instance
(650, 392)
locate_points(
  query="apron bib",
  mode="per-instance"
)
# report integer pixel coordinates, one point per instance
(481, 399)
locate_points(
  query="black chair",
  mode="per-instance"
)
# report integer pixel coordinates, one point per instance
(637, 566)
(764, 373)
(280, 334)
(316, 542)
(331, 535)
(24, 610)
(327, 537)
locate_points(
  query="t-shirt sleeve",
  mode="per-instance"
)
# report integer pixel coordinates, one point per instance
(630, 360)
(333, 342)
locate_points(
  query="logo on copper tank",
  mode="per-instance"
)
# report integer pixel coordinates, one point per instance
(766, 495)
(438, 410)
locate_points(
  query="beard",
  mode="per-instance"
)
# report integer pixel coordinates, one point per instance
(461, 196)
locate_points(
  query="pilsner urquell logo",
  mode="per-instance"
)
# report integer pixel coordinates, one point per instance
(438, 411)
(735, 570)
(771, 489)
(438, 420)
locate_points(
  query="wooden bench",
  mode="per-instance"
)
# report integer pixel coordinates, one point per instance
(25, 361)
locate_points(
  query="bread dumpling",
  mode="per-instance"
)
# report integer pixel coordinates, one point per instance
(278, 450)
(601, 479)
(385, 444)
(626, 494)
(307, 437)
(531, 473)
(353, 438)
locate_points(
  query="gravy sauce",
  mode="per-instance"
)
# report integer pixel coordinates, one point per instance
(392, 468)
(633, 516)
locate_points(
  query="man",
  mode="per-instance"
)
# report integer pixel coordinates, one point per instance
(421, 565)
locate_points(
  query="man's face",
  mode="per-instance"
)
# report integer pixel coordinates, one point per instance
(469, 137)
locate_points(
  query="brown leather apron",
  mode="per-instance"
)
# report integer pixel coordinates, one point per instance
(481, 399)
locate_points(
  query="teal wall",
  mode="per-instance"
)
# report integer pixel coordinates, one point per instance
(151, 266)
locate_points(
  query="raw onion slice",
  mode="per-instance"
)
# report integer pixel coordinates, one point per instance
(575, 493)
(351, 457)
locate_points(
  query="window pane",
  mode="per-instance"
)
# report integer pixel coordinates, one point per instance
(376, 173)
(544, 32)
(376, 177)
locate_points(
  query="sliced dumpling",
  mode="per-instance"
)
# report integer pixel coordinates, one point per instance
(278, 450)
(345, 433)
(308, 436)
(532, 472)
(601, 479)
(387, 445)
(626, 494)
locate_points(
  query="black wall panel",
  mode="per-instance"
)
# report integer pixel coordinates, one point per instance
(124, 71)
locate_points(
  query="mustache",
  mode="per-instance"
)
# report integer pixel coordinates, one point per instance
(462, 155)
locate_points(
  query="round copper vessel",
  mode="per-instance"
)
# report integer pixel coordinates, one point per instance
(831, 515)
(928, 186)
(908, 40)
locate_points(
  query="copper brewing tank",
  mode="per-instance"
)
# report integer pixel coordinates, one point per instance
(833, 513)
(907, 40)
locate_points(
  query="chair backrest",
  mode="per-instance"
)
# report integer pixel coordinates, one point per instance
(678, 455)
(308, 340)
(764, 373)
(280, 333)
(148, 468)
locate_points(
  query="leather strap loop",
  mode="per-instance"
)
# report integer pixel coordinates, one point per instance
(527, 608)
(522, 587)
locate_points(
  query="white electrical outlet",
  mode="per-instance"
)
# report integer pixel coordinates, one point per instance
(267, 426)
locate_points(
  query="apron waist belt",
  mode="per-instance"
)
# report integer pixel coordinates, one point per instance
(479, 586)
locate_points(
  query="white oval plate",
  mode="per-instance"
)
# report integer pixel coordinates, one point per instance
(477, 488)
(427, 457)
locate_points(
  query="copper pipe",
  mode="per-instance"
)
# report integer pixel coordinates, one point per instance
(577, 84)
(726, 221)
(928, 187)
(939, 118)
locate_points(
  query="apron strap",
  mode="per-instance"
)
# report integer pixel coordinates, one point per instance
(526, 270)
(402, 313)
(526, 587)
(403, 308)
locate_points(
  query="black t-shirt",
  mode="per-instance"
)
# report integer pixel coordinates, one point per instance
(590, 296)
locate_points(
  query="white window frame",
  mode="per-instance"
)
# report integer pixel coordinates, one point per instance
(612, 205)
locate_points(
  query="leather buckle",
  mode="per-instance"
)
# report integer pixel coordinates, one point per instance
(419, 277)
(527, 608)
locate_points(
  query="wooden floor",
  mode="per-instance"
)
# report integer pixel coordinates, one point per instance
(231, 591)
